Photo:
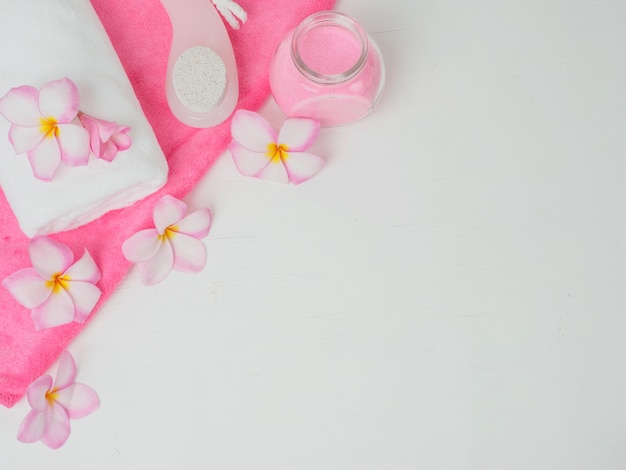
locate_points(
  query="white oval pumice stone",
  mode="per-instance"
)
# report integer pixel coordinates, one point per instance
(199, 79)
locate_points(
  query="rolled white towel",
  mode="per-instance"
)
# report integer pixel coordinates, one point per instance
(42, 41)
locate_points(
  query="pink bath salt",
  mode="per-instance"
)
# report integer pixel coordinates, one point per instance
(343, 77)
(329, 50)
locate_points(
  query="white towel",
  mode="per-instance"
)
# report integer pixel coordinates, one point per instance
(45, 40)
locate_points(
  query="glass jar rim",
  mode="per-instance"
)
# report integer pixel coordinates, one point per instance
(329, 18)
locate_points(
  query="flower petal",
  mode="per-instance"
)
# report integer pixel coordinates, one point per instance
(275, 172)
(57, 310)
(107, 129)
(103, 129)
(302, 166)
(85, 269)
(94, 133)
(117, 143)
(32, 427)
(252, 131)
(24, 139)
(85, 296)
(49, 257)
(58, 427)
(158, 267)
(141, 246)
(74, 144)
(27, 287)
(168, 211)
(66, 371)
(45, 159)
(79, 400)
(121, 139)
(196, 224)
(248, 162)
(21, 106)
(108, 151)
(298, 134)
(36, 392)
(189, 253)
(59, 99)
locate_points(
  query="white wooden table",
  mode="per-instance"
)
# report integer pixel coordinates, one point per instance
(448, 293)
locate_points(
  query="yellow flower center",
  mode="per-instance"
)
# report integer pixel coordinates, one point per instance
(48, 127)
(58, 282)
(277, 153)
(52, 395)
(168, 233)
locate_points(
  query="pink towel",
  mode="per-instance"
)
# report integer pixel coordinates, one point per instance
(140, 32)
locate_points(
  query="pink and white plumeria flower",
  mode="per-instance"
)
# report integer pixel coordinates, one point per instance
(260, 152)
(57, 290)
(105, 138)
(54, 403)
(43, 124)
(174, 243)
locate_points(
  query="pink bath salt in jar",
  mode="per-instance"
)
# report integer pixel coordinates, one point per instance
(327, 69)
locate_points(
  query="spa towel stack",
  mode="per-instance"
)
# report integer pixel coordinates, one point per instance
(42, 41)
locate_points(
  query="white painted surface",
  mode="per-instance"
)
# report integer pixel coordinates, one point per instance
(446, 294)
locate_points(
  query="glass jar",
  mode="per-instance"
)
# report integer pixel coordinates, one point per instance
(328, 69)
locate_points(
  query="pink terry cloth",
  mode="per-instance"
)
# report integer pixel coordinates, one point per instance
(141, 33)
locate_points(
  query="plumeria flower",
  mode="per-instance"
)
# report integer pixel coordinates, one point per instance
(174, 243)
(54, 403)
(259, 152)
(57, 290)
(105, 138)
(43, 125)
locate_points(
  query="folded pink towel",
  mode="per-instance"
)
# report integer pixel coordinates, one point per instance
(140, 32)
